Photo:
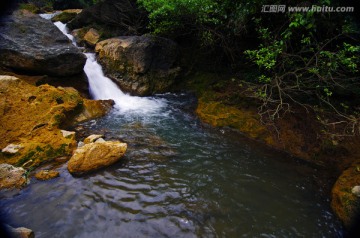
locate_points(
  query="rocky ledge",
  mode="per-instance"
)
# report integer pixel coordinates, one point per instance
(31, 118)
(32, 44)
(141, 65)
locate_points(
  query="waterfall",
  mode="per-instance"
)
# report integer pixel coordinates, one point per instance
(101, 87)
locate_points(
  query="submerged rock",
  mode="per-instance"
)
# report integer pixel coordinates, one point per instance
(30, 43)
(141, 65)
(94, 156)
(12, 177)
(47, 174)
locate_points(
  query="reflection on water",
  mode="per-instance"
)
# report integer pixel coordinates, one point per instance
(179, 178)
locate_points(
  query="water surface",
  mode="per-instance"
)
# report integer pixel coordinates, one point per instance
(179, 178)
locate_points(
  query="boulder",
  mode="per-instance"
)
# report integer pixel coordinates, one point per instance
(92, 37)
(47, 174)
(11, 177)
(32, 44)
(141, 65)
(94, 156)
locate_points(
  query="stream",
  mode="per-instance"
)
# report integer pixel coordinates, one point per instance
(179, 178)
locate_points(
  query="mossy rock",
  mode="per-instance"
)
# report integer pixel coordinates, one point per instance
(32, 117)
(64, 17)
(344, 202)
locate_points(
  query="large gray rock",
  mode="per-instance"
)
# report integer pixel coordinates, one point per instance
(141, 65)
(94, 156)
(30, 43)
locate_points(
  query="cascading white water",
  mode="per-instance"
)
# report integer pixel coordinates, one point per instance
(101, 87)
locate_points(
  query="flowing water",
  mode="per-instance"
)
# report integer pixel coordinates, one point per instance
(179, 178)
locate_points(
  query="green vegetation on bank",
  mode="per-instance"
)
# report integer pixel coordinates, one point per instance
(306, 59)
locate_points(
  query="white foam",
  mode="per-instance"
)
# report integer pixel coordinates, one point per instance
(101, 87)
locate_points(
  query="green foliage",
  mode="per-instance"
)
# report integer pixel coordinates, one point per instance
(29, 7)
(312, 60)
(170, 16)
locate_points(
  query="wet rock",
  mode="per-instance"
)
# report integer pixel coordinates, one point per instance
(11, 177)
(92, 109)
(92, 138)
(33, 44)
(20, 232)
(92, 37)
(12, 149)
(141, 65)
(47, 174)
(94, 156)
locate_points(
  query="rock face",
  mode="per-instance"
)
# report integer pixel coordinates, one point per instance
(32, 44)
(141, 65)
(112, 18)
(94, 156)
(31, 118)
(11, 177)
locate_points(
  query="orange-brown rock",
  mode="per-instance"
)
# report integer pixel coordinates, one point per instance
(47, 174)
(32, 116)
(92, 37)
(94, 156)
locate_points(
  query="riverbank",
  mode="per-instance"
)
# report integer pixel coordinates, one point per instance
(223, 101)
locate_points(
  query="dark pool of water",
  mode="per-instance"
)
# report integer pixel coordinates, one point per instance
(179, 178)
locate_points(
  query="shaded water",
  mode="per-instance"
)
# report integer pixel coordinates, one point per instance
(179, 178)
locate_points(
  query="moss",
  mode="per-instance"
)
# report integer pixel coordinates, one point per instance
(64, 17)
(26, 158)
(29, 7)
